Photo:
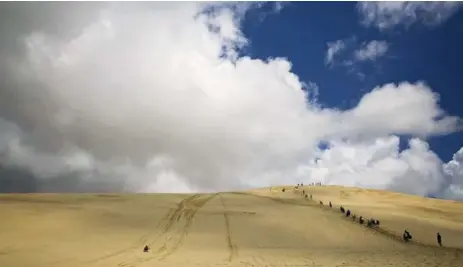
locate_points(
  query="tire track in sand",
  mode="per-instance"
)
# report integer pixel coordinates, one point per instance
(175, 229)
(135, 245)
(188, 213)
(150, 236)
(233, 249)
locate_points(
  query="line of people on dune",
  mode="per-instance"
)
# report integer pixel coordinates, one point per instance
(371, 222)
(406, 236)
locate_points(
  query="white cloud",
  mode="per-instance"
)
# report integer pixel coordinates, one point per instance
(385, 15)
(382, 110)
(379, 164)
(342, 53)
(454, 173)
(334, 48)
(371, 50)
(454, 168)
(154, 97)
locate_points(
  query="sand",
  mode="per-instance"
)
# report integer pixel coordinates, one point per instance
(263, 227)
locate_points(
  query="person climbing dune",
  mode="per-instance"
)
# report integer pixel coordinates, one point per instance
(407, 236)
(439, 239)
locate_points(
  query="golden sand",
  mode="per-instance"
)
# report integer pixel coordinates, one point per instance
(264, 227)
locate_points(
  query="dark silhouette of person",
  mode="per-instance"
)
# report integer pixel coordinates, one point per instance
(371, 222)
(331, 205)
(361, 219)
(407, 236)
(348, 213)
(439, 239)
(146, 249)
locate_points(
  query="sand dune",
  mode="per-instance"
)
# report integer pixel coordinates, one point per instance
(264, 227)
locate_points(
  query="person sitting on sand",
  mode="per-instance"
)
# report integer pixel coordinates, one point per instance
(146, 249)
(439, 239)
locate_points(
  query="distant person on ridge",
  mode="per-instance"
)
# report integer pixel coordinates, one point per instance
(439, 239)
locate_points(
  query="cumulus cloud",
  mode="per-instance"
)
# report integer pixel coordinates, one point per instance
(371, 50)
(386, 15)
(454, 173)
(380, 164)
(156, 97)
(381, 111)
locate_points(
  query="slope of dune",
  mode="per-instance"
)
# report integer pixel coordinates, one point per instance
(264, 227)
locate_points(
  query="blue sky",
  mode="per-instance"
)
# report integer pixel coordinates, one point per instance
(301, 30)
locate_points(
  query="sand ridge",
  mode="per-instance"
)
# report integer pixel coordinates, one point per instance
(262, 227)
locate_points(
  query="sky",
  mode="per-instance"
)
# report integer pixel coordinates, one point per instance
(202, 97)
